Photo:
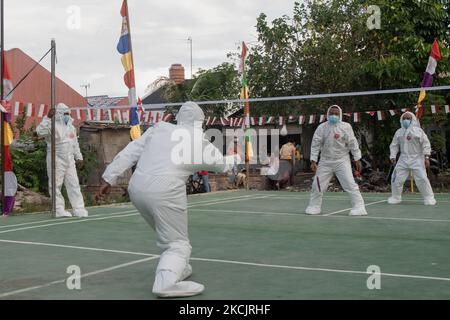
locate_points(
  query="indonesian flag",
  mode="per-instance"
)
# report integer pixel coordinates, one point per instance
(261, 121)
(380, 115)
(253, 121)
(166, 117)
(126, 116)
(447, 108)
(78, 112)
(434, 109)
(42, 110)
(110, 115)
(322, 118)
(119, 116)
(357, 117)
(427, 81)
(90, 114)
(281, 121)
(270, 120)
(312, 119)
(17, 108)
(392, 112)
(30, 110)
(301, 120)
(147, 116)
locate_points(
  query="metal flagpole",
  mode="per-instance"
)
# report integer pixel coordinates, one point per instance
(2, 134)
(53, 138)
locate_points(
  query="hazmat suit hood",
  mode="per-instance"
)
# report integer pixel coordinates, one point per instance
(61, 108)
(414, 122)
(335, 106)
(190, 114)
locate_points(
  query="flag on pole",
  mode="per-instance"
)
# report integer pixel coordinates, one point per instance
(124, 47)
(244, 96)
(10, 180)
(427, 81)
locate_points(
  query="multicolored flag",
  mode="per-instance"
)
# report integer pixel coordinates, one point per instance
(427, 81)
(244, 96)
(10, 181)
(124, 47)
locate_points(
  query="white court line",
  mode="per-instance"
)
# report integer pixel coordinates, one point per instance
(85, 275)
(276, 266)
(318, 216)
(77, 247)
(348, 209)
(348, 199)
(223, 199)
(65, 219)
(69, 222)
(115, 216)
(226, 201)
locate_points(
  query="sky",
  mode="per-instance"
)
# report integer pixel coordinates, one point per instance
(87, 32)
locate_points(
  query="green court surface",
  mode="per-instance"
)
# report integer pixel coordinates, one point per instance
(246, 245)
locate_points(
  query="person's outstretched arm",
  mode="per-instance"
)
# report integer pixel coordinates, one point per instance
(126, 158)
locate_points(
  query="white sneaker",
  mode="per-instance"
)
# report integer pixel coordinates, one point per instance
(186, 273)
(393, 200)
(430, 202)
(80, 213)
(181, 289)
(312, 211)
(358, 212)
(64, 214)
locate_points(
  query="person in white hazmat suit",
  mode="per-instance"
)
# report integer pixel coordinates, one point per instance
(415, 150)
(333, 140)
(166, 155)
(67, 152)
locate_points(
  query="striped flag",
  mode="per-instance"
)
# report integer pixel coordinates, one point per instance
(42, 110)
(78, 112)
(447, 108)
(322, 118)
(392, 112)
(312, 119)
(30, 110)
(90, 114)
(380, 115)
(270, 120)
(301, 120)
(280, 121)
(356, 117)
(434, 109)
(7, 81)
(17, 108)
(427, 81)
(261, 121)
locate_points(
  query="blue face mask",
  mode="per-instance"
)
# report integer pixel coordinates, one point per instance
(406, 123)
(333, 119)
(66, 118)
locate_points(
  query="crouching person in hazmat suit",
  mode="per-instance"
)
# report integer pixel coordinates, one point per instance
(415, 151)
(333, 140)
(67, 152)
(166, 155)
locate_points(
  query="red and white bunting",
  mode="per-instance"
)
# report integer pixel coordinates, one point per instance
(280, 121)
(223, 121)
(110, 115)
(270, 120)
(240, 122)
(30, 110)
(392, 112)
(126, 116)
(166, 117)
(447, 108)
(147, 117)
(157, 117)
(17, 108)
(78, 113)
(301, 120)
(291, 119)
(90, 114)
(356, 117)
(253, 121)
(98, 115)
(312, 119)
(434, 109)
(141, 115)
(370, 113)
(42, 110)
(380, 115)
(213, 121)
(261, 121)
(322, 118)
(118, 116)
